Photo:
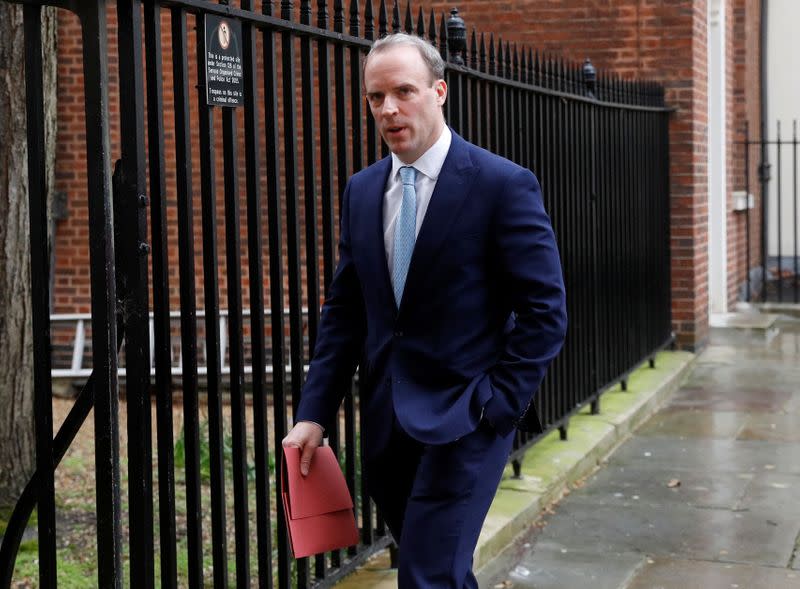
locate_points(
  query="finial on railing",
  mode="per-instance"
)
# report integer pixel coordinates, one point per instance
(408, 24)
(396, 17)
(589, 77)
(456, 37)
(383, 20)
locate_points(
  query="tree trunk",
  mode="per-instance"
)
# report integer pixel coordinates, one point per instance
(17, 434)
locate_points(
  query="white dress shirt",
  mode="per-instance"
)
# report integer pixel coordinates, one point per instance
(428, 167)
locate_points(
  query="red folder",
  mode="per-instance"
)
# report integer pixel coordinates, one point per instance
(318, 507)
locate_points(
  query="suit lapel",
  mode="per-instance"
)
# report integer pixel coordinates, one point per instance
(452, 188)
(375, 250)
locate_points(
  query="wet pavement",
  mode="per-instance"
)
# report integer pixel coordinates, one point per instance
(705, 494)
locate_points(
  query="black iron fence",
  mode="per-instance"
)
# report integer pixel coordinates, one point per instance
(599, 145)
(771, 233)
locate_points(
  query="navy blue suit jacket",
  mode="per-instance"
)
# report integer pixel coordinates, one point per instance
(483, 312)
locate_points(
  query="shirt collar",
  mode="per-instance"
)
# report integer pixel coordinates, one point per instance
(429, 163)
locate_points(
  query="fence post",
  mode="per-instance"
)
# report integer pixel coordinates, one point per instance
(131, 251)
(456, 37)
(590, 79)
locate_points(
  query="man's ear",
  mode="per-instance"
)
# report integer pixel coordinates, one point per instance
(440, 86)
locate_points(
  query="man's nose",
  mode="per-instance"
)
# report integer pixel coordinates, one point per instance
(389, 106)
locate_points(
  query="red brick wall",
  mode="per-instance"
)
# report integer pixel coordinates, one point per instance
(664, 40)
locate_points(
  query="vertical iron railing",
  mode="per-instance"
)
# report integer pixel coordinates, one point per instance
(774, 276)
(599, 146)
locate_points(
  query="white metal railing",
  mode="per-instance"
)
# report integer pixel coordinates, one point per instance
(77, 369)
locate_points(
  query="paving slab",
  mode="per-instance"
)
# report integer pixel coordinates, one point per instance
(657, 453)
(773, 494)
(619, 485)
(694, 423)
(772, 427)
(719, 398)
(742, 320)
(738, 373)
(551, 566)
(675, 531)
(694, 574)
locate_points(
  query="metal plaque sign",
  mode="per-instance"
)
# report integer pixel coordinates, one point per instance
(224, 86)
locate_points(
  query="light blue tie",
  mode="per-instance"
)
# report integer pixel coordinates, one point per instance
(405, 231)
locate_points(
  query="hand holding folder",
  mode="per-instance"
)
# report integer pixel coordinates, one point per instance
(318, 507)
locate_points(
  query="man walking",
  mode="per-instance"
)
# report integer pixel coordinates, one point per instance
(449, 290)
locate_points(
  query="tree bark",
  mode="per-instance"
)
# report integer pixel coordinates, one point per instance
(17, 432)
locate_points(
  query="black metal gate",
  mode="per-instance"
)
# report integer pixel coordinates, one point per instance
(599, 145)
(771, 230)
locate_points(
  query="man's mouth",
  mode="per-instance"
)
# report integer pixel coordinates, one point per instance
(394, 130)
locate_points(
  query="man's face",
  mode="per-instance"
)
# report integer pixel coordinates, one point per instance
(405, 101)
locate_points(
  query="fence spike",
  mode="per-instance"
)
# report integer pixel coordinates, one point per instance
(523, 65)
(355, 24)
(515, 64)
(432, 28)
(396, 17)
(529, 66)
(568, 73)
(409, 23)
(322, 14)
(383, 20)
(287, 8)
(492, 61)
(338, 16)
(443, 37)
(305, 12)
(369, 21)
(420, 23)
(509, 73)
(537, 70)
(482, 55)
(501, 62)
(473, 51)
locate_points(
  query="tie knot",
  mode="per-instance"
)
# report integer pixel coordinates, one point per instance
(408, 174)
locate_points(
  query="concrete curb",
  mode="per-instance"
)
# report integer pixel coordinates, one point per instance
(551, 465)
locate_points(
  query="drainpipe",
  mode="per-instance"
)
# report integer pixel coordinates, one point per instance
(764, 167)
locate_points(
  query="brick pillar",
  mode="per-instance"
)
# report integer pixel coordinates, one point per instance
(663, 40)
